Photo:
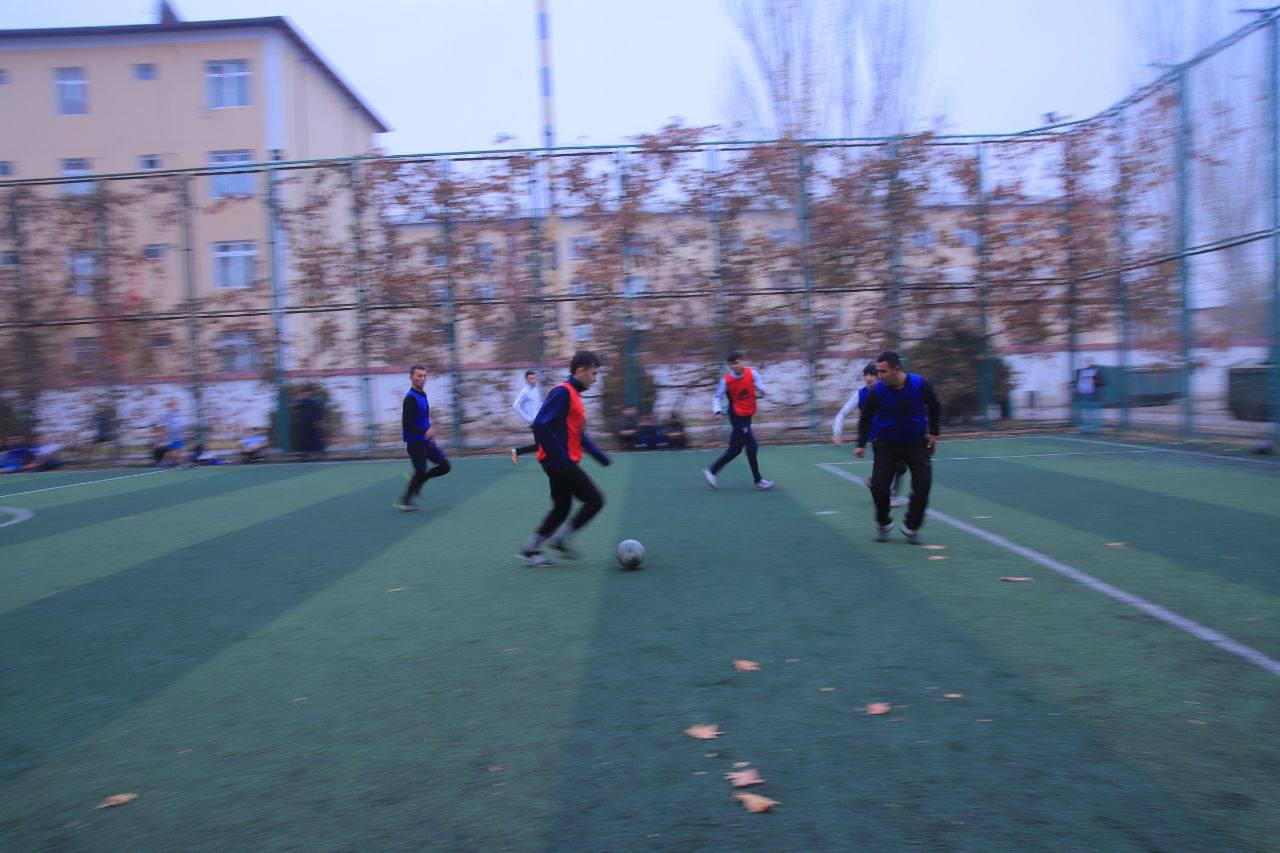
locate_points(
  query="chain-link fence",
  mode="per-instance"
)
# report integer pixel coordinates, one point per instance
(1114, 273)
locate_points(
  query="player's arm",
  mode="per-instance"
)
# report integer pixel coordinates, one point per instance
(554, 410)
(717, 405)
(762, 390)
(598, 454)
(409, 415)
(837, 425)
(934, 408)
(518, 405)
(865, 414)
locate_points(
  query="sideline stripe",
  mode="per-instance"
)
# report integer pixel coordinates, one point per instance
(1182, 623)
(1014, 456)
(1159, 449)
(85, 483)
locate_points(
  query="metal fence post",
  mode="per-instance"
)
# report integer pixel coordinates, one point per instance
(29, 403)
(716, 211)
(895, 248)
(1122, 280)
(275, 238)
(192, 307)
(1273, 373)
(451, 315)
(102, 296)
(362, 302)
(985, 377)
(806, 268)
(1067, 232)
(537, 239)
(631, 331)
(1186, 332)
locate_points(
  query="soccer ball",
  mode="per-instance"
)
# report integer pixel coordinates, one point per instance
(630, 554)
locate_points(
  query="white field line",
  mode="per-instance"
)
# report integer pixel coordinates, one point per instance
(19, 515)
(1182, 623)
(1156, 449)
(85, 483)
(1013, 456)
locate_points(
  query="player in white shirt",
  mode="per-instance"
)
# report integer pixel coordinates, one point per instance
(526, 404)
(869, 378)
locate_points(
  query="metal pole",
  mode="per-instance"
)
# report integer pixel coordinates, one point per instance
(985, 378)
(631, 333)
(362, 313)
(1273, 374)
(30, 394)
(275, 237)
(194, 374)
(717, 212)
(545, 90)
(1184, 236)
(102, 295)
(537, 238)
(806, 266)
(895, 249)
(1122, 279)
(1068, 235)
(451, 315)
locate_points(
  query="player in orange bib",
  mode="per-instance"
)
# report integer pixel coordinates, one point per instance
(560, 428)
(743, 386)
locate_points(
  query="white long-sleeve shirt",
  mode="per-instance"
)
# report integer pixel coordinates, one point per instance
(717, 405)
(837, 426)
(527, 403)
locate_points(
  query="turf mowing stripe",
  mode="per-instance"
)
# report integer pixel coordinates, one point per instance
(85, 483)
(1180, 622)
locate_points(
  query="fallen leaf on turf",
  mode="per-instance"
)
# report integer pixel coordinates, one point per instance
(397, 589)
(742, 764)
(744, 778)
(746, 665)
(756, 803)
(711, 755)
(937, 557)
(497, 768)
(979, 516)
(1017, 580)
(952, 695)
(827, 689)
(704, 732)
(699, 773)
(793, 660)
(116, 800)
(1117, 544)
(878, 708)
(935, 547)
(984, 721)
(1197, 722)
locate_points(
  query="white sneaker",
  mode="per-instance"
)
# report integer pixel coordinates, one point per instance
(764, 485)
(515, 457)
(536, 559)
(711, 478)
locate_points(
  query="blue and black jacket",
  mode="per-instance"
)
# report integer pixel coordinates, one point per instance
(415, 416)
(899, 415)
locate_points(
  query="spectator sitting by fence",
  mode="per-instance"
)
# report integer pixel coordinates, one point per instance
(628, 427)
(252, 447)
(676, 439)
(17, 454)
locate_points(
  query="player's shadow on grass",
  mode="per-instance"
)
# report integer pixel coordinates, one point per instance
(162, 494)
(74, 661)
(742, 575)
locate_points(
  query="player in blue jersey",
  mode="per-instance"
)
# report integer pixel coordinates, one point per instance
(419, 439)
(856, 402)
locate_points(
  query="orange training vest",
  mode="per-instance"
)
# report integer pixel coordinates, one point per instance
(742, 392)
(574, 421)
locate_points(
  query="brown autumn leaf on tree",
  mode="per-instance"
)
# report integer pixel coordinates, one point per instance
(116, 800)
(707, 732)
(743, 778)
(746, 665)
(755, 802)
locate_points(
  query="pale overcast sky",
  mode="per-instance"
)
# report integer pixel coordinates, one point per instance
(454, 74)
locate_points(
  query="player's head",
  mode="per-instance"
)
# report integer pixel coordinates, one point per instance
(531, 377)
(889, 367)
(584, 366)
(734, 360)
(869, 373)
(418, 376)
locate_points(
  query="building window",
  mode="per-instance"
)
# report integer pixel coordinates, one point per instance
(148, 162)
(549, 256)
(1012, 237)
(486, 291)
(4, 77)
(154, 252)
(968, 236)
(73, 92)
(582, 332)
(234, 264)
(636, 285)
(580, 247)
(923, 238)
(86, 351)
(75, 168)
(9, 259)
(6, 168)
(581, 287)
(237, 352)
(82, 271)
(781, 236)
(484, 254)
(159, 343)
(145, 71)
(227, 83)
(238, 185)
